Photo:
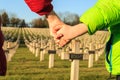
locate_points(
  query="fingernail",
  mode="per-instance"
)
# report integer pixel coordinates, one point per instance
(57, 41)
(61, 34)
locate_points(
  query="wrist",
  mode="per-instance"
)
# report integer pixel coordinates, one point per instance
(79, 29)
(53, 19)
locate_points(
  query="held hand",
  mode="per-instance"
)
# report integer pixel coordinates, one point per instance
(64, 35)
(55, 29)
(54, 23)
(67, 33)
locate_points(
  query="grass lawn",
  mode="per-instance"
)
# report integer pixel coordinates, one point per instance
(25, 66)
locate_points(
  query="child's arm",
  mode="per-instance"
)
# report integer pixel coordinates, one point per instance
(44, 7)
(53, 21)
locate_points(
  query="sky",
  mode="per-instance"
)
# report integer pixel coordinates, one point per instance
(21, 10)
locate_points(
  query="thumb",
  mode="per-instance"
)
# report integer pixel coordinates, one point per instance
(57, 28)
(54, 30)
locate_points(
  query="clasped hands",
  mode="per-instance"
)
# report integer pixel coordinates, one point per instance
(62, 34)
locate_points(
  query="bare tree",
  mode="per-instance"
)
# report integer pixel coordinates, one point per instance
(5, 19)
(39, 23)
(15, 21)
(22, 23)
(69, 18)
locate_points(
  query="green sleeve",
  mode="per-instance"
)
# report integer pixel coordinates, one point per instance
(103, 14)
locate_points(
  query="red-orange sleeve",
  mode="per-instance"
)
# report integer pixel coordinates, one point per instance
(41, 7)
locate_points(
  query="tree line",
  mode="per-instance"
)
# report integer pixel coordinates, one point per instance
(67, 17)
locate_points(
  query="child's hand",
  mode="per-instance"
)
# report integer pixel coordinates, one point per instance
(63, 35)
(54, 29)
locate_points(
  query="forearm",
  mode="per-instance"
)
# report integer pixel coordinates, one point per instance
(79, 29)
(53, 19)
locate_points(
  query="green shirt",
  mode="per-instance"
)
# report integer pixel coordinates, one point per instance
(106, 14)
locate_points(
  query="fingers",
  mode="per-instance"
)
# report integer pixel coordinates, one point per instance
(61, 34)
(54, 30)
(60, 37)
(61, 41)
(57, 38)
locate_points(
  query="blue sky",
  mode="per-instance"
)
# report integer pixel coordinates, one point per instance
(21, 10)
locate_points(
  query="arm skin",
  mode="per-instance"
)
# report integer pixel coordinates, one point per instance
(53, 21)
(44, 7)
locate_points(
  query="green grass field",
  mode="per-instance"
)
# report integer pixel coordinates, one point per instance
(25, 66)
